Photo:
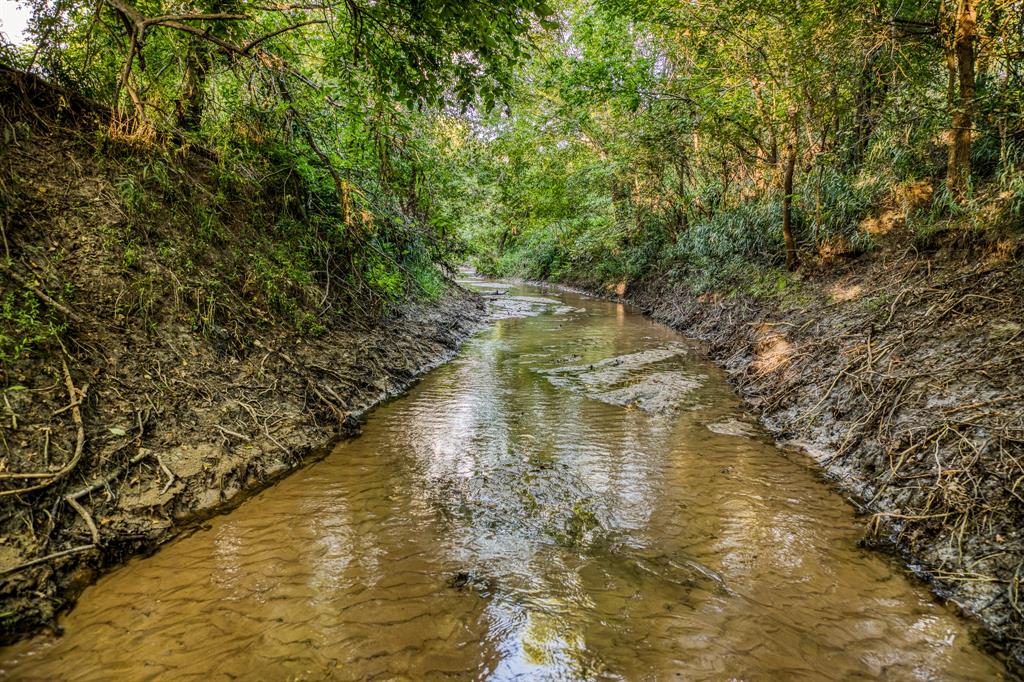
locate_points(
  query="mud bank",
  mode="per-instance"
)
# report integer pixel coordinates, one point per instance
(162, 355)
(173, 433)
(903, 376)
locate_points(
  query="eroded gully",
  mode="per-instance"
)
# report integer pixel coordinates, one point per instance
(577, 495)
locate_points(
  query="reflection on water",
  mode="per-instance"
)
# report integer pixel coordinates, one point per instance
(578, 495)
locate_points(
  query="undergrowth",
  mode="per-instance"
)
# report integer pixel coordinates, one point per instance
(24, 324)
(734, 244)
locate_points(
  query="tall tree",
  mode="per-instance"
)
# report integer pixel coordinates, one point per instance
(961, 58)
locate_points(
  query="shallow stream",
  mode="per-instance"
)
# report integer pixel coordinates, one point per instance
(578, 495)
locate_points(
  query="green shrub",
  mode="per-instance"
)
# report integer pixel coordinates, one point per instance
(717, 251)
(23, 325)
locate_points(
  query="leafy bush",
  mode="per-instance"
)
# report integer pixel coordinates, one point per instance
(720, 249)
(23, 325)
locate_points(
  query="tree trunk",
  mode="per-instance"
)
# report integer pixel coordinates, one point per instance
(962, 53)
(872, 89)
(773, 140)
(198, 63)
(817, 212)
(681, 219)
(193, 92)
(787, 208)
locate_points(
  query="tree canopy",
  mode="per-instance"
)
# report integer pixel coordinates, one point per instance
(709, 137)
(593, 139)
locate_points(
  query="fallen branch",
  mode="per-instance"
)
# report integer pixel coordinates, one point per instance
(23, 281)
(87, 517)
(75, 399)
(170, 475)
(229, 432)
(102, 482)
(48, 557)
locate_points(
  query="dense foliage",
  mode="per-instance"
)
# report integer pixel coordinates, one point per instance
(597, 141)
(720, 140)
(318, 103)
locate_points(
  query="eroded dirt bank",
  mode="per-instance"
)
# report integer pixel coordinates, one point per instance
(578, 495)
(173, 432)
(162, 352)
(904, 377)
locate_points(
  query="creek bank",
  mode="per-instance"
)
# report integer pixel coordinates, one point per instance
(174, 433)
(163, 351)
(902, 375)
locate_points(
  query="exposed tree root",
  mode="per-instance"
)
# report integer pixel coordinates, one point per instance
(911, 395)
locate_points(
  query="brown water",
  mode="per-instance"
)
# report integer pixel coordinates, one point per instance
(578, 495)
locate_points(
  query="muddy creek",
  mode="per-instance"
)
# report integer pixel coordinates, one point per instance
(577, 495)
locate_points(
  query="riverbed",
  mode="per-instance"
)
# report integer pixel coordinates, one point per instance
(579, 494)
